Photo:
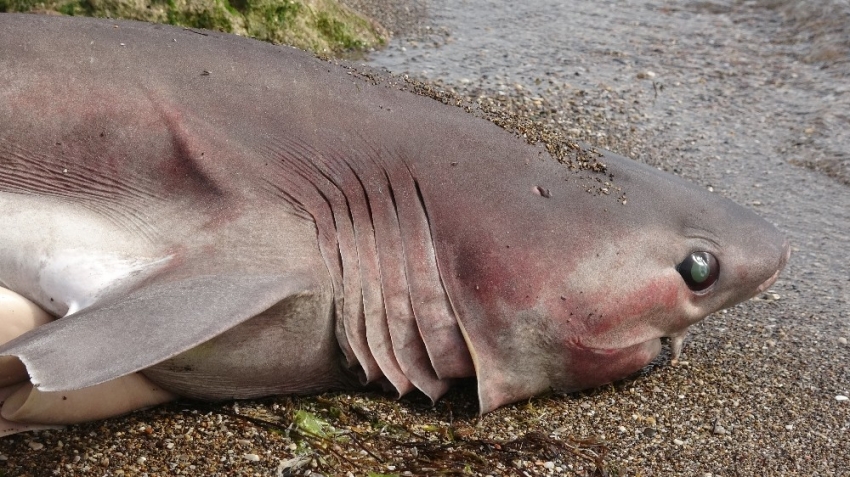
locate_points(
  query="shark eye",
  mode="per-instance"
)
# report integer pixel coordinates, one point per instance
(700, 270)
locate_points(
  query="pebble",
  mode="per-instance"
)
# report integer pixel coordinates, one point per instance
(36, 445)
(842, 340)
(678, 442)
(841, 397)
(251, 457)
(294, 463)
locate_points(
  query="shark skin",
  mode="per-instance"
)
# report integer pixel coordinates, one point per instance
(230, 219)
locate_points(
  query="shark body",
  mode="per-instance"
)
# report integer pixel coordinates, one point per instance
(230, 219)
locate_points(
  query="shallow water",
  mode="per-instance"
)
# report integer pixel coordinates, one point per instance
(801, 47)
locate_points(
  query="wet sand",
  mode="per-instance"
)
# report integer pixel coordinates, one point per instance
(704, 91)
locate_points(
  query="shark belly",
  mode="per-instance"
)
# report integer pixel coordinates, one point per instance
(64, 257)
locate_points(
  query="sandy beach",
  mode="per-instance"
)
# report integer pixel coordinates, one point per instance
(713, 91)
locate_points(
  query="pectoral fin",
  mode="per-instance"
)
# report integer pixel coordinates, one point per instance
(157, 321)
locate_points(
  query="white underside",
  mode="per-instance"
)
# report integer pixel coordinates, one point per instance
(75, 278)
(65, 257)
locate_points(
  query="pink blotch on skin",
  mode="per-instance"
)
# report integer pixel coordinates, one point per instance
(631, 314)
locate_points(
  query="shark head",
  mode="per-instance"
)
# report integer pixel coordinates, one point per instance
(565, 281)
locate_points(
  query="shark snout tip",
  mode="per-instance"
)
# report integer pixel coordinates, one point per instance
(783, 260)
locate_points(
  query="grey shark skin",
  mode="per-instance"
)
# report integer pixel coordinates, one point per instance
(236, 219)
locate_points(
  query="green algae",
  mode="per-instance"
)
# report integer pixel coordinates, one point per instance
(321, 26)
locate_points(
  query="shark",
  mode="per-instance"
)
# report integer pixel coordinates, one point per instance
(186, 213)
